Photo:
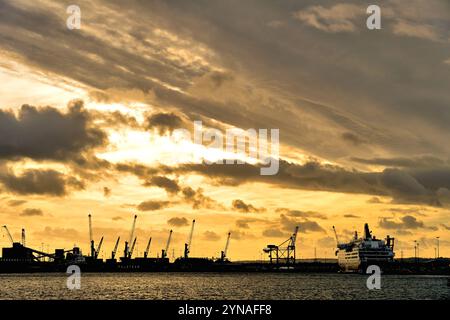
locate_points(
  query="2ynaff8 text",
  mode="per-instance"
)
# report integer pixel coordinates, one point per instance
(226, 309)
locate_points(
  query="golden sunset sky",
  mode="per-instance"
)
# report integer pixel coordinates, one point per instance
(87, 119)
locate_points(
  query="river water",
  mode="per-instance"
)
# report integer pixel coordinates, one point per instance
(221, 286)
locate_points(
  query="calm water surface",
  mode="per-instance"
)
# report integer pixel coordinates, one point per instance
(221, 286)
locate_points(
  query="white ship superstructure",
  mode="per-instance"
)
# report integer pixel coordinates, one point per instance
(362, 252)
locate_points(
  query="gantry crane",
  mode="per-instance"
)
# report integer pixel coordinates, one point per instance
(128, 243)
(148, 248)
(113, 253)
(164, 251)
(223, 254)
(187, 246)
(284, 252)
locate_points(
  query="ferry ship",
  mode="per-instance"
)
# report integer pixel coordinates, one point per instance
(359, 253)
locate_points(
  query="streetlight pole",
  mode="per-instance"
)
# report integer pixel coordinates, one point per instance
(415, 251)
(437, 247)
(418, 251)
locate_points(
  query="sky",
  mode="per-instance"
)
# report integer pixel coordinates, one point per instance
(90, 122)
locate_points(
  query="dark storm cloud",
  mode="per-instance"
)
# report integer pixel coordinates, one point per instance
(153, 205)
(412, 162)
(39, 182)
(419, 186)
(350, 89)
(46, 133)
(405, 223)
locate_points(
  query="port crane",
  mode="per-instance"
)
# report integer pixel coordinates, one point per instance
(8, 234)
(113, 253)
(128, 243)
(336, 236)
(164, 251)
(148, 248)
(91, 237)
(98, 248)
(132, 248)
(223, 254)
(187, 246)
(284, 252)
(94, 252)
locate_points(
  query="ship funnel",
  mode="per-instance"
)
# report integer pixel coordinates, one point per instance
(367, 231)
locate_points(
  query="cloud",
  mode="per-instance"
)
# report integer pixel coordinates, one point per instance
(117, 218)
(211, 236)
(374, 200)
(304, 225)
(301, 214)
(445, 227)
(171, 186)
(245, 222)
(46, 133)
(153, 205)
(351, 216)
(417, 30)
(413, 186)
(241, 235)
(16, 203)
(178, 222)
(326, 242)
(335, 19)
(31, 212)
(199, 200)
(241, 206)
(106, 192)
(411, 162)
(56, 232)
(40, 182)
(164, 122)
(274, 233)
(352, 138)
(405, 223)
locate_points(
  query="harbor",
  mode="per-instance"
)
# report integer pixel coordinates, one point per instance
(352, 257)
